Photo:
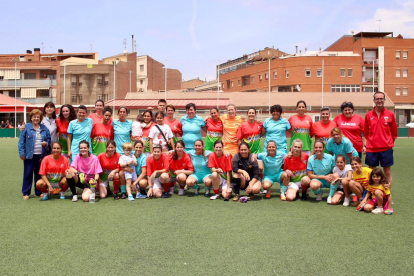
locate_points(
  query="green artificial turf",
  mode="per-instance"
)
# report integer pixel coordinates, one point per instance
(196, 236)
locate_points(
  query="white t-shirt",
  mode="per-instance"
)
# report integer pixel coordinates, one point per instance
(157, 136)
(125, 159)
(342, 173)
(137, 128)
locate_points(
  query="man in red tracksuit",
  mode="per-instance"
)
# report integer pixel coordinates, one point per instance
(380, 131)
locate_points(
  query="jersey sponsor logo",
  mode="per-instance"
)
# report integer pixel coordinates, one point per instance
(348, 124)
(300, 130)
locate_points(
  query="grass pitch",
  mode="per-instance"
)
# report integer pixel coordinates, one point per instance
(195, 236)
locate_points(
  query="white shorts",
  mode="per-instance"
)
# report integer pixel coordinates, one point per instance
(105, 183)
(55, 185)
(295, 185)
(223, 183)
(132, 176)
(157, 184)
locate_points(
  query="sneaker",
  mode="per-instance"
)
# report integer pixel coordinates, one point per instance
(56, 191)
(263, 192)
(360, 207)
(123, 195)
(116, 197)
(171, 190)
(74, 198)
(131, 198)
(62, 195)
(207, 193)
(139, 195)
(26, 197)
(181, 192)
(304, 196)
(329, 200)
(388, 211)
(186, 188)
(214, 197)
(268, 193)
(45, 196)
(346, 202)
(197, 191)
(236, 198)
(165, 195)
(283, 196)
(378, 210)
(319, 196)
(41, 195)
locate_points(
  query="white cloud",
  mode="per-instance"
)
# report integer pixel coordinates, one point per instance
(399, 20)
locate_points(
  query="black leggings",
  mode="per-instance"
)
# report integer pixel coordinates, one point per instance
(73, 185)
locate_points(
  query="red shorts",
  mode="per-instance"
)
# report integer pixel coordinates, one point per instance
(373, 202)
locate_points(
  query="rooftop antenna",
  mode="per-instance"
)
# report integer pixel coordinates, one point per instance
(132, 49)
(379, 30)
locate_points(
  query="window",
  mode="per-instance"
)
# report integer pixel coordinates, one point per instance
(405, 91)
(260, 77)
(239, 82)
(73, 99)
(99, 97)
(307, 73)
(342, 72)
(275, 75)
(350, 72)
(319, 73)
(43, 93)
(397, 54)
(405, 54)
(100, 81)
(287, 74)
(405, 73)
(141, 82)
(267, 76)
(252, 79)
(397, 73)
(231, 83)
(73, 81)
(345, 88)
(141, 68)
(397, 91)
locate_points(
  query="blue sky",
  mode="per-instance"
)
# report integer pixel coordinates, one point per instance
(193, 35)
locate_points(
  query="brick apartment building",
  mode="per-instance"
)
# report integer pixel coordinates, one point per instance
(191, 84)
(36, 75)
(151, 76)
(364, 62)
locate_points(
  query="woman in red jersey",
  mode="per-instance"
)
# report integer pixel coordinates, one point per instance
(173, 123)
(147, 115)
(301, 125)
(180, 167)
(102, 132)
(157, 172)
(250, 132)
(221, 167)
(352, 127)
(67, 114)
(213, 129)
(110, 170)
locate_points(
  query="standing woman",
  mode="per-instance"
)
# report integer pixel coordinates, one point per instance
(85, 167)
(220, 164)
(352, 126)
(67, 114)
(320, 166)
(147, 115)
(338, 144)
(250, 132)
(49, 120)
(122, 129)
(322, 129)
(271, 165)
(180, 167)
(213, 129)
(296, 176)
(52, 170)
(98, 115)
(301, 127)
(110, 170)
(173, 123)
(161, 134)
(79, 129)
(33, 143)
(157, 172)
(191, 125)
(275, 129)
(102, 132)
(202, 173)
(245, 173)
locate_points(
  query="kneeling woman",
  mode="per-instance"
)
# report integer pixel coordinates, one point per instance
(52, 170)
(157, 172)
(109, 164)
(246, 173)
(202, 173)
(271, 163)
(221, 168)
(295, 173)
(180, 167)
(141, 183)
(85, 167)
(320, 166)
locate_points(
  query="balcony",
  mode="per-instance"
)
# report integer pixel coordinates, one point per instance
(369, 80)
(369, 60)
(28, 83)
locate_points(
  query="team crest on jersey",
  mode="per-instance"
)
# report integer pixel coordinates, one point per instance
(61, 165)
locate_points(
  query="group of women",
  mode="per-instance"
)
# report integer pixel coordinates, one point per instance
(85, 150)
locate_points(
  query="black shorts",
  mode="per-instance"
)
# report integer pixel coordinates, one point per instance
(385, 158)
